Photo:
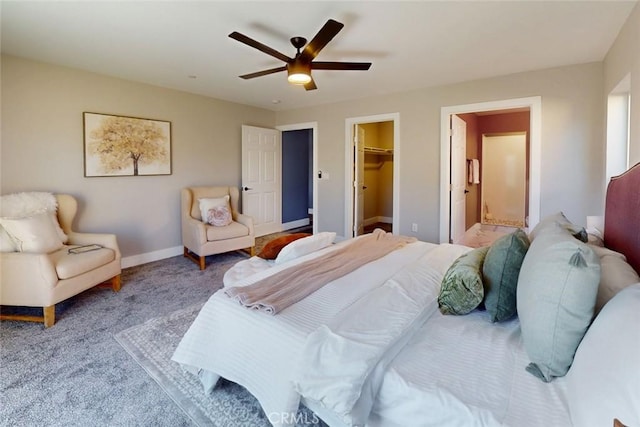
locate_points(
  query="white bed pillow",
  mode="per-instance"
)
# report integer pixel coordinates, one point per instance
(305, 246)
(206, 204)
(604, 380)
(35, 234)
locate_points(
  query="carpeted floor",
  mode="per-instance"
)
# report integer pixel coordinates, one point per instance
(76, 374)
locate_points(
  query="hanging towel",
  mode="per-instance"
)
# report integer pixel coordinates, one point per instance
(474, 171)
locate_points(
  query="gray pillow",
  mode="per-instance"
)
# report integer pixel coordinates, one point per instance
(500, 274)
(462, 290)
(615, 275)
(556, 296)
(558, 218)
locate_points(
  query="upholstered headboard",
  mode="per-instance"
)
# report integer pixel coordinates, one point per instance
(622, 216)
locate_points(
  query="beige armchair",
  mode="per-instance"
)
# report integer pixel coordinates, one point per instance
(201, 239)
(45, 279)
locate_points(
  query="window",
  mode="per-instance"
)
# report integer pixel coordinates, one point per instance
(618, 120)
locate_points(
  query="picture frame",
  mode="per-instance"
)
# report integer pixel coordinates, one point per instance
(125, 146)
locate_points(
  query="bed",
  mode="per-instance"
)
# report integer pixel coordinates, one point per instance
(373, 348)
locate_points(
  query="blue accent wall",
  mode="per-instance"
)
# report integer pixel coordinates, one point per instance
(296, 174)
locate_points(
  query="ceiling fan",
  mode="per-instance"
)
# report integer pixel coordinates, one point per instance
(299, 67)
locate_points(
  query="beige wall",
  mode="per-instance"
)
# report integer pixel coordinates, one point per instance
(42, 147)
(624, 58)
(572, 135)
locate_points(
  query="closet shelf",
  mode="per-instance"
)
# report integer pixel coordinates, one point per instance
(373, 165)
(376, 150)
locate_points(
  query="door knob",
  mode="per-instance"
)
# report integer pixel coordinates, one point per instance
(247, 188)
(466, 191)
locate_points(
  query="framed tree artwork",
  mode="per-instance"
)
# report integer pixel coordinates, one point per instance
(126, 146)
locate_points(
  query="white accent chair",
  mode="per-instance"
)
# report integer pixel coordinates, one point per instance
(45, 279)
(201, 239)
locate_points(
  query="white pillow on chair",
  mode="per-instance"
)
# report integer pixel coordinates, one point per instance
(206, 204)
(34, 234)
(6, 243)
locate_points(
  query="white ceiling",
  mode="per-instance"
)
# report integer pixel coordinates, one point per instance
(411, 44)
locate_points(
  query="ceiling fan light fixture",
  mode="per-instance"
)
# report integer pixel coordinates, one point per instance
(298, 73)
(299, 78)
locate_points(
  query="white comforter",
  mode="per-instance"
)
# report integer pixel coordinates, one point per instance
(372, 348)
(258, 351)
(343, 362)
(467, 371)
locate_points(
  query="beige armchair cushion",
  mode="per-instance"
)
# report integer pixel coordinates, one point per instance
(230, 231)
(70, 265)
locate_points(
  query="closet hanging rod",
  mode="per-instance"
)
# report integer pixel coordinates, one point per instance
(377, 150)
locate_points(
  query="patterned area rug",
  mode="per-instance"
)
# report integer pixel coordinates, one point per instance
(152, 344)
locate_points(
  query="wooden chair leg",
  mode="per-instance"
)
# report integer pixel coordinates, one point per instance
(116, 283)
(49, 315)
(252, 251)
(200, 260)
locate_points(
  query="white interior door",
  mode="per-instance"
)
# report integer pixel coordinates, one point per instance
(458, 177)
(261, 178)
(358, 184)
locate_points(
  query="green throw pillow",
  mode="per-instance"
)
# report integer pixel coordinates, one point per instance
(556, 297)
(461, 290)
(500, 274)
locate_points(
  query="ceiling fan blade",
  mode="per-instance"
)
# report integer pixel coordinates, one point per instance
(324, 36)
(261, 47)
(362, 66)
(311, 85)
(263, 72)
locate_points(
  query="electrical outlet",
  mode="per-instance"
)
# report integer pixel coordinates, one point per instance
(414, 227)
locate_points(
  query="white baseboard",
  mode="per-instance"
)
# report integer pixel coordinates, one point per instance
(385, 219)
(375, 219)
(133, 260)
(295, 224)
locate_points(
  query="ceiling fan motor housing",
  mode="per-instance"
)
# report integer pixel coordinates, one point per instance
(298, 43)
